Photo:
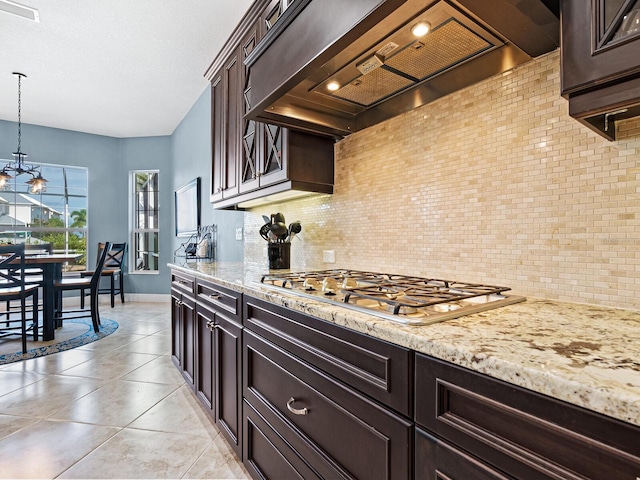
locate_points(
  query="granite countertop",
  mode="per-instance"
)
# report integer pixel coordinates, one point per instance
(585, 355)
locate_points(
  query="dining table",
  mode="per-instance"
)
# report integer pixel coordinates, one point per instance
(51, 265)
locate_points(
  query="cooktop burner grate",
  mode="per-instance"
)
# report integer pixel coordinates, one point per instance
(402, 298)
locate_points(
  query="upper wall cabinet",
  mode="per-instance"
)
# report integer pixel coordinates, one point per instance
(600, 61)
(252, 162)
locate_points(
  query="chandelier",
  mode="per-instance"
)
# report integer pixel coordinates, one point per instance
(37, 183)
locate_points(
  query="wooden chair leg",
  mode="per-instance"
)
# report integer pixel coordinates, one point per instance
(113, 289)
(36, 322)
(121, 278)
(82, 298)
(95, 315)
(57, 309)
(23, 319)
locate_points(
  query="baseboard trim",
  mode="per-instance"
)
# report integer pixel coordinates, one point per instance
(146, 297)
(105, 299)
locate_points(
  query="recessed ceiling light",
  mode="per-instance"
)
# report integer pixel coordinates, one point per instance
(333, 86)
(19, 10)
(420, 29)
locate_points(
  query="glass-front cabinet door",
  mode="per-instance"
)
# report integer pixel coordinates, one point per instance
(617, 21)
(274, 167)
(600, 42)
(250, 165)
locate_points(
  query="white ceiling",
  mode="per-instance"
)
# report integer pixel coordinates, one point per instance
(122, 68)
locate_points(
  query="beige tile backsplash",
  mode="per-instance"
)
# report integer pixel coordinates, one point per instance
(493, 184)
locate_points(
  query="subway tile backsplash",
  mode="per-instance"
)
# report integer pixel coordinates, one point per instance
(493, 184)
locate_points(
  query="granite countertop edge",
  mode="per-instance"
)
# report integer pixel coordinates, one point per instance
(585, 355)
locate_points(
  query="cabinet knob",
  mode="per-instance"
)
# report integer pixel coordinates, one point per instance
(296, 411)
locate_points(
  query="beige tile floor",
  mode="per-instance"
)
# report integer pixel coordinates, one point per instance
(115, 408)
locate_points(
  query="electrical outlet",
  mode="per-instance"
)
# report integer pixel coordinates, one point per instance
(329, 256)
(239, 233)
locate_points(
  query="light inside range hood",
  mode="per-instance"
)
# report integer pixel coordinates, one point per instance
(402, 61)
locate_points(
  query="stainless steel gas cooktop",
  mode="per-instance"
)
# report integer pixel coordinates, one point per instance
(400, 298)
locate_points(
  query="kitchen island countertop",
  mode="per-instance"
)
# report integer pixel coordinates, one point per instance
(585, 355)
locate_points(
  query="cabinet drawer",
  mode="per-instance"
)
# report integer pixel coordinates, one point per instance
(354, 437)
(219, 299)
(182, 283)
(267, 455)
(377, 368)
(525, 434)
(437, 460)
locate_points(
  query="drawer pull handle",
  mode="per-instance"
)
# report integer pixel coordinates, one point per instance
(296, 411)
(214, 296)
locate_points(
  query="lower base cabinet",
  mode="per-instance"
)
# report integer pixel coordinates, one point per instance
(334, 430)
(266, 454)
(183, 326)
(437, 460)
(218, 362)
(228, 380)
(520, 433)
(298, 397)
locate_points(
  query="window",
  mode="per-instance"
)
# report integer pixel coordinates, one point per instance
(144, 225)
(57, 215)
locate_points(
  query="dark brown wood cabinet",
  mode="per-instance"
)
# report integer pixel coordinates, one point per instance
(226, 98)
(207, 348)
(298, 397)
(301, 383)
(205, 353)
(438, 460)
(218, 355)
(252, 160)
(516, 432)
(600, 61)
(183, 325)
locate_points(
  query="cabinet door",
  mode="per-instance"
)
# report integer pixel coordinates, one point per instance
(437, 460)
(228, 380)
(274, 155)
(266, 454)
(187, 314)
(251, 130)
(176, 329)
(218, 135)
(205, 354)
(233, 112)
(600, 42)
(523, 433)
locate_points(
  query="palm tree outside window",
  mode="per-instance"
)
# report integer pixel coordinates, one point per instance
(57, 216)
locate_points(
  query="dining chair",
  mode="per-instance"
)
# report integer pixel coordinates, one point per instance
(114, 269)
(33, 275)
(14, 287)
(82, 284)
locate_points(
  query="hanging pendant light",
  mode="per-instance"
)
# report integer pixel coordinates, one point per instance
(37, 183)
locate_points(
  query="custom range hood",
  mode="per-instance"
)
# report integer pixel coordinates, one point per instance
(335, 67)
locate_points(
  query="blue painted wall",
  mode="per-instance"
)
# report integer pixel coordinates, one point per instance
(191, 154)
(180, 157)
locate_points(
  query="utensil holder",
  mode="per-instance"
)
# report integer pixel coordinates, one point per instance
(279, 256)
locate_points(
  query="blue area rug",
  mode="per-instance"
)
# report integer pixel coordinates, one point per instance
(82, 331)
